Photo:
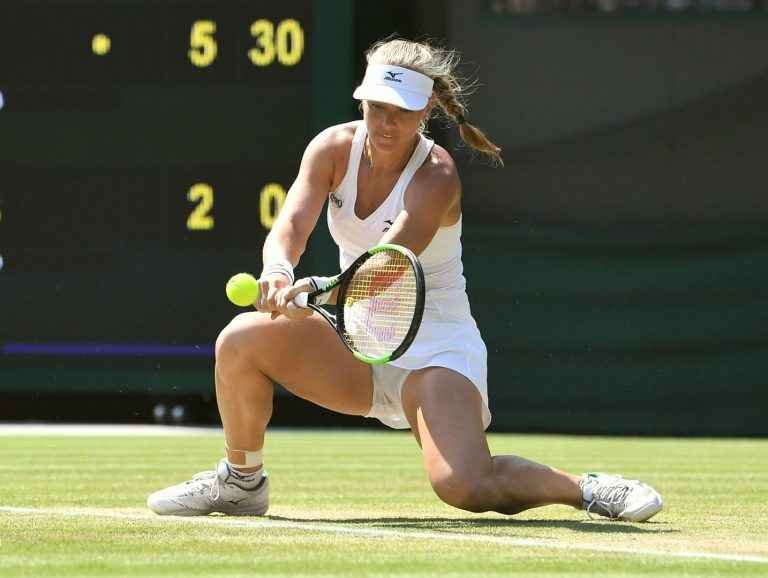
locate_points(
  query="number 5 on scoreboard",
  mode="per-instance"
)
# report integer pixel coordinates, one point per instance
(203, 47)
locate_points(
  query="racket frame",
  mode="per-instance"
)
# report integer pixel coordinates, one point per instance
(342, 282)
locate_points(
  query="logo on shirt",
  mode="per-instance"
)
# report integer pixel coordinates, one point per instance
(389, 224)
(336, 200)
(393, 76)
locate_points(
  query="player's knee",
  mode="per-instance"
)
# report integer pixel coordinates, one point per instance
(235, 341)
(462, 491)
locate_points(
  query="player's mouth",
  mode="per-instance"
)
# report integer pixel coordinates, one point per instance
(385, 137)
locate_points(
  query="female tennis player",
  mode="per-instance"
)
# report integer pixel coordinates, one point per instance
(384, 181)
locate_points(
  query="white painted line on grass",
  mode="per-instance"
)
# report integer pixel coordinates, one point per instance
(382, 533)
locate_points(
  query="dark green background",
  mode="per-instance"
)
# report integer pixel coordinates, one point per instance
(616, 265)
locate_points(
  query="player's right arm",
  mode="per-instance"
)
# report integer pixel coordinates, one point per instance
(288, 238)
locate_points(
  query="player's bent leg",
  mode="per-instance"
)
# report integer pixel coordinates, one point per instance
(444, 410)
(305, 356)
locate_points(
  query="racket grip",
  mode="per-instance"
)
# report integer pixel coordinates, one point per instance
(300, 300)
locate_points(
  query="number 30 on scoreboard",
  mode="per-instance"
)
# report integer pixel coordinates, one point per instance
(271, 199)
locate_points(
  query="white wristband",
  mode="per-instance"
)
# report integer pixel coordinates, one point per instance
(282, 266)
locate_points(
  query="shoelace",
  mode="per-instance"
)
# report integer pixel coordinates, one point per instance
(608, 497)
(215, 491)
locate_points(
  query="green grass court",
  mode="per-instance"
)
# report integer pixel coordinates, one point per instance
(358, 504)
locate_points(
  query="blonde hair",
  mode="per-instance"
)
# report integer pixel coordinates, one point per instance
(451, 91)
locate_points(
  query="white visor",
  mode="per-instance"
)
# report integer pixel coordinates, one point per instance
(402, 87)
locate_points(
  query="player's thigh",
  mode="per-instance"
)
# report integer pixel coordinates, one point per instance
(445, 412)
(305, 356)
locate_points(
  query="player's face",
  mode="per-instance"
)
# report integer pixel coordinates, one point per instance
(391, 127)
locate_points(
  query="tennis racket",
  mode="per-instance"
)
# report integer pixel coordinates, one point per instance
(379, 304)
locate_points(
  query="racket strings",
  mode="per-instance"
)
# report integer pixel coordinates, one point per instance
(380, 303)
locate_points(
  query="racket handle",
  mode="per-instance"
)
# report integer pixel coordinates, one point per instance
(300, 300)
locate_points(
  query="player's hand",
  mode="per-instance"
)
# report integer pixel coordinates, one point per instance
(269, 287)
(285, 304)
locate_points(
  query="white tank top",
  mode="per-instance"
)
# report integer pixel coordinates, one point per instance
(448, 335)
(441, 259)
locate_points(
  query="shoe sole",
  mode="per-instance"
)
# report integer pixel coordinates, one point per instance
(190, 512)
(645, 514)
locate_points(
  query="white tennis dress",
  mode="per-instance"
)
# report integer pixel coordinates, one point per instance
(448, 336)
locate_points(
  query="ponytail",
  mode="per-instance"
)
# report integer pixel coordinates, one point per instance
(446, 90)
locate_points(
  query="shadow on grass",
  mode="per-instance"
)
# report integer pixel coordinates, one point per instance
(442, 524)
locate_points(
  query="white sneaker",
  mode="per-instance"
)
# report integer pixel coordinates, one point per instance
(212, 491)
(618, 498)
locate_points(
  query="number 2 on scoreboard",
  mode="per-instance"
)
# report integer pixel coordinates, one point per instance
(200, 218)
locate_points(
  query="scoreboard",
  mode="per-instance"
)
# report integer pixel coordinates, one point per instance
(146, 148)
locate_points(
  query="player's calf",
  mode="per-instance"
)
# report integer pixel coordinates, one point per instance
(465, 492)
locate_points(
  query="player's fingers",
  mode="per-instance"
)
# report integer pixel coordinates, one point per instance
(261, 303)
(269, 287)
(286, 305)
(272, 297)
(301, 286)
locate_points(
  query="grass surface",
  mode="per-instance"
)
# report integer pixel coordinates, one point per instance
(358, 504)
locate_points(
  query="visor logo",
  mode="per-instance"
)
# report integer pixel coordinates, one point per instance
(392, 76)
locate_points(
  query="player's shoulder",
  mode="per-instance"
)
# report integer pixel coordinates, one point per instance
(334, 138)
(330, 148)
(441, 164)
(439, 173)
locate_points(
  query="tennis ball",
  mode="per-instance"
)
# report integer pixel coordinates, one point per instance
(242, 289)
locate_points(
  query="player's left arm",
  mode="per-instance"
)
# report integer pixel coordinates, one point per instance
(432, 197)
